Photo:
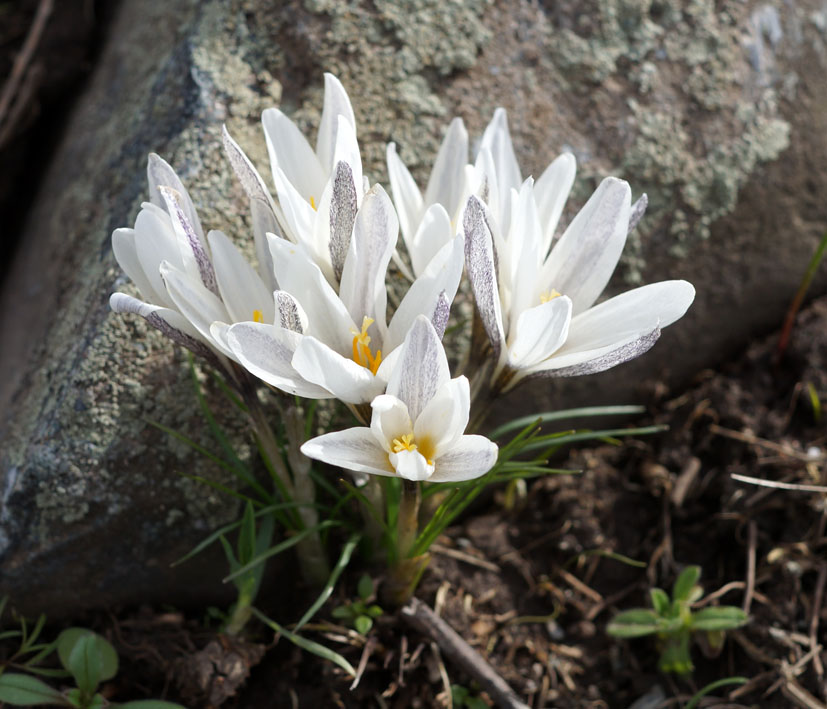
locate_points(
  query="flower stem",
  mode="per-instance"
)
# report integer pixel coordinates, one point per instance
(406, 571)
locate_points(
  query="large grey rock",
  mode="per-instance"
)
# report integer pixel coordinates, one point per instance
(716, 109)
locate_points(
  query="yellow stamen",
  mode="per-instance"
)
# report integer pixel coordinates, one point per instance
(257, 316)
(545, 297)
(406, 443)
(312, 202)
(361, 348)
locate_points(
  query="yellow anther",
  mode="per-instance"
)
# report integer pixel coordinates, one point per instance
(361, 347)
(257, 316)
(312, 202)
(545, 297)
(404, 443)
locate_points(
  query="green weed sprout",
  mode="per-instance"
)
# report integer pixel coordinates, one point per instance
(674, 621)
(360, 613)
(86, 657)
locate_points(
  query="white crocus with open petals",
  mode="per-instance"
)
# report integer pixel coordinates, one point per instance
(340, 341)
(305, 178)
(188, 281)
(538, 308)
(417, 427)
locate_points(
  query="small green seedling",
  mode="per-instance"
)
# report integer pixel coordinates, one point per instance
(89, 659)
(674, 622)
(358, 613)
(461, 698)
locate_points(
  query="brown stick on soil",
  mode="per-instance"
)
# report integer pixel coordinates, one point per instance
(418, 615)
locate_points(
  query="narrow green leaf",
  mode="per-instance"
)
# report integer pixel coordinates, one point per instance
(23, 690)
(365, 587)
(634, 623)
(605, 435)
(309, 645)
(547, 417)
(247, 535)
(685, 583)
(711, 687)
(344, 560)
(9, 634)
(718, 618)
(278, 548)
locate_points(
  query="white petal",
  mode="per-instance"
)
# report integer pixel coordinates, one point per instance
(525, 243)
(242, 291)
(552, 191)
(389, 420)
(422, 368)
(434, 232)
(336, 103)
(479, 262)
(443, 421)
(485, 185)
(539, 332)
(353, 449)
(155, 242)
(266, 352)
(347, 150)
(411, 465)
(440, 278)
(406, 196)
(363, 279)
(299, 215)
(619, 329)
(193, 248)
(445, 185)
(327, 317)
(291, 153)
(170, 322)
(160, 174)
(194, 301)
(470, 458)
(126, 254)
(582, 261)
(342, 377)
(497, 139)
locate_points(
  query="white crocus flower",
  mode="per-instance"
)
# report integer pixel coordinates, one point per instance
(538, 308)
(305, 177)
(428, 222)
(340, 342)
(188, 281)
(417, 427)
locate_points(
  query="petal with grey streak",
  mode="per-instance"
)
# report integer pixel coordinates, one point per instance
(342, 216)
(479, 262)
(471, 457)
(266, 352)
(352, 449)
(160, 174)
(422, 368)
(582, 261)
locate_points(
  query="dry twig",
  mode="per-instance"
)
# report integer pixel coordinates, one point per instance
(422, 618)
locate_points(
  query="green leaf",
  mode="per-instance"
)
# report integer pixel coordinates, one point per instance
(374, 611)
(247, 535)
(660, 601)
(549, 416)
(363, 624)
(342, 612)
(309, 645)
(718, 618)
(88, 656)
(684, 586)
(696, 698)
(365, 587)
(22, 690)
(344, 560)
(634, 623)
(150, 704)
